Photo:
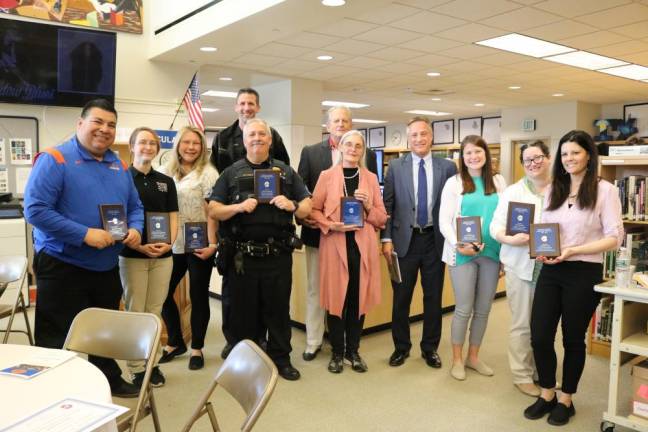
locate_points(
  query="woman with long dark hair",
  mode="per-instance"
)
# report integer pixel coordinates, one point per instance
(588, 210)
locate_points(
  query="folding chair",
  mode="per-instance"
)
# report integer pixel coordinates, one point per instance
(120, 335)
(12, 269)
(249, 376)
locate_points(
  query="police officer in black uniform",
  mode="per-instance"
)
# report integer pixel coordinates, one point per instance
(255, 251)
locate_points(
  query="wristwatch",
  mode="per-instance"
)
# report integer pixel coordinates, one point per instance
(296, 205)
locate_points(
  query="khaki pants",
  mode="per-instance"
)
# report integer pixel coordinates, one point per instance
(314, 313)
(146, 283)
(520, 299)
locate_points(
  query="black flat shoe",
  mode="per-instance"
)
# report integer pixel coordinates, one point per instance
(167, 356)
(123, 389)
(288, 372)
(336, 365)
(226, 350)
(432, 359)
(561, 413)
(310, 356)
(357, 364)
(196, 362)
(539, 408)
(398, 358)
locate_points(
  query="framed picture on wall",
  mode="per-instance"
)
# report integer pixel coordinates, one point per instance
(364, 134)
(639, 112)
(469, 126)
(377, 137)
(491, 129)
(443, 132)
(325, 136)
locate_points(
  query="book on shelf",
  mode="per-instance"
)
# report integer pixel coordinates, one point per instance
(602, 320)
(632, 193)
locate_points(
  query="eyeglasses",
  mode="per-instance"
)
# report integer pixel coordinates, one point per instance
(536, 160)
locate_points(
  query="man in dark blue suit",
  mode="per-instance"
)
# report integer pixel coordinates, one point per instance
(412, 195)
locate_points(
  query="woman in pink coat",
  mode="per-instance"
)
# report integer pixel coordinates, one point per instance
(348, 255)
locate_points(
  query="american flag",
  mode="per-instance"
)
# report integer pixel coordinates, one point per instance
(192, 104)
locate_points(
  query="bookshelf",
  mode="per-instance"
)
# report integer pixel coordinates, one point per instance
(621, 169)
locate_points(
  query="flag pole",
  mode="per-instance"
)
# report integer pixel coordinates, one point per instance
(180, 104)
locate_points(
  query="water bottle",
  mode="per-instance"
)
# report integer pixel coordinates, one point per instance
(622, 269)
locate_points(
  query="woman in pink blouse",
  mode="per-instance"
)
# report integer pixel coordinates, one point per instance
(589, 213)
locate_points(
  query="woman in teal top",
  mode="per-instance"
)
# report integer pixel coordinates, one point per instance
(474, 268)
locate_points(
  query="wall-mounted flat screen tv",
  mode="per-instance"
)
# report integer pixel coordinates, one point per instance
(44, 64)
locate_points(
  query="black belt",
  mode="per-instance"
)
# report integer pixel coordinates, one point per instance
(419, 230)
(256, 249)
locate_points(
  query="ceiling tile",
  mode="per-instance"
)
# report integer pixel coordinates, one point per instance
(388, 14)
(637, 30)
(423, 4)
(639, 58)
(299, 65)
(560, 30)
(312, 56)
(388, 35)
(431, 60)
(628, 47)
(521, 19)
(311, 40)
(462, 66)
(365, 62)
(430, 44)
(467, 52)
(259, 59)
(355, 47)
(592, 40)
(427, 22)
(619, 16)
(470, 33)
(502, 58)
(395, 54)
(572, 8)
(475, 10)
(400, 68)
(344, 28)
(281, 50)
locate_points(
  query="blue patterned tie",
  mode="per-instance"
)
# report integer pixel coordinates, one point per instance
(422, 204)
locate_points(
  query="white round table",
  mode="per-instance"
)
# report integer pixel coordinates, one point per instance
(76, 378)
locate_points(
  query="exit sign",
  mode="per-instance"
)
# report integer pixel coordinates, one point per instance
(529, 125)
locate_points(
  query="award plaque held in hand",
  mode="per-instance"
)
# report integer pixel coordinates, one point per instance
(113, 219)
(469, 230)
(545, 240)
(267, 185)
(195, 236)
(519, 218)
(158, 228)
(351, 212)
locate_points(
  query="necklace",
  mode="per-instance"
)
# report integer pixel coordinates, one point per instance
(346, 193)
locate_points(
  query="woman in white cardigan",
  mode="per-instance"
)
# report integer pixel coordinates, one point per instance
(521, 271)
(474, 268)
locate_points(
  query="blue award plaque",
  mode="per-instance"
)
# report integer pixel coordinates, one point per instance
(195, 236)
(113, 219)
(469, 229)
(519, 218)
(352, 211)
(267, 185)
(545, 240)
(158, 228)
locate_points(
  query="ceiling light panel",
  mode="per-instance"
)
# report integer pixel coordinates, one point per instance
(217, 93)
(426, 112)
(586, 60)
(330, 103)
(368, 121)
(526, 45)
(635, 72)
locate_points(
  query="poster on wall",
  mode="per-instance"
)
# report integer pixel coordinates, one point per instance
(21, 151)
(4, 180)
(22, 175)
(121, 15)
(2, 151)
(492, 127)
(469, 126)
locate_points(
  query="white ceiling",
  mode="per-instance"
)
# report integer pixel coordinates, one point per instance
(382, 50)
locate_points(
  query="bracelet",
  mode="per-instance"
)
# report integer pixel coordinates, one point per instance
(212, 245)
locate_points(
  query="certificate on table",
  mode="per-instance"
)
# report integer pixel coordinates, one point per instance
(68, 415)
(36, 364)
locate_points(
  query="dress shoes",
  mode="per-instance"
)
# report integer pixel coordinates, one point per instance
(226, 350)
(561, 413)
(357, 364)
(529, 389)
(310, 353)
(539, 408)
(336, 365)
(167, 356)
(288, 372)
(398, 358)
(123, 389)
(432, 359)
(196, 362)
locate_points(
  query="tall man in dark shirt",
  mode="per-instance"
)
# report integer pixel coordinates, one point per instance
(228, 148)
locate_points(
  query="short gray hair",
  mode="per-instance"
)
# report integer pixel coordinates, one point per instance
(331, 110)
(259, 121)
(346, 136)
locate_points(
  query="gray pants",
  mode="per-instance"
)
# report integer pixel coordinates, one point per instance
(474, 285)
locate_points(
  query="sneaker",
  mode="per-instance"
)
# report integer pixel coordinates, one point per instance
(560, 414)
(357, 364)
(156, 380)
(123, 389)
(336, 365)
(539, 408)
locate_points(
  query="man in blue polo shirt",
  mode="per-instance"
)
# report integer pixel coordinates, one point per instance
(76, 260)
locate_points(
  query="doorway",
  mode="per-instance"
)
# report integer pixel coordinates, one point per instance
(518, 170)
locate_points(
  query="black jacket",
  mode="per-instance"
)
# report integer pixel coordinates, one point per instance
(228, 148)
(314, 159)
